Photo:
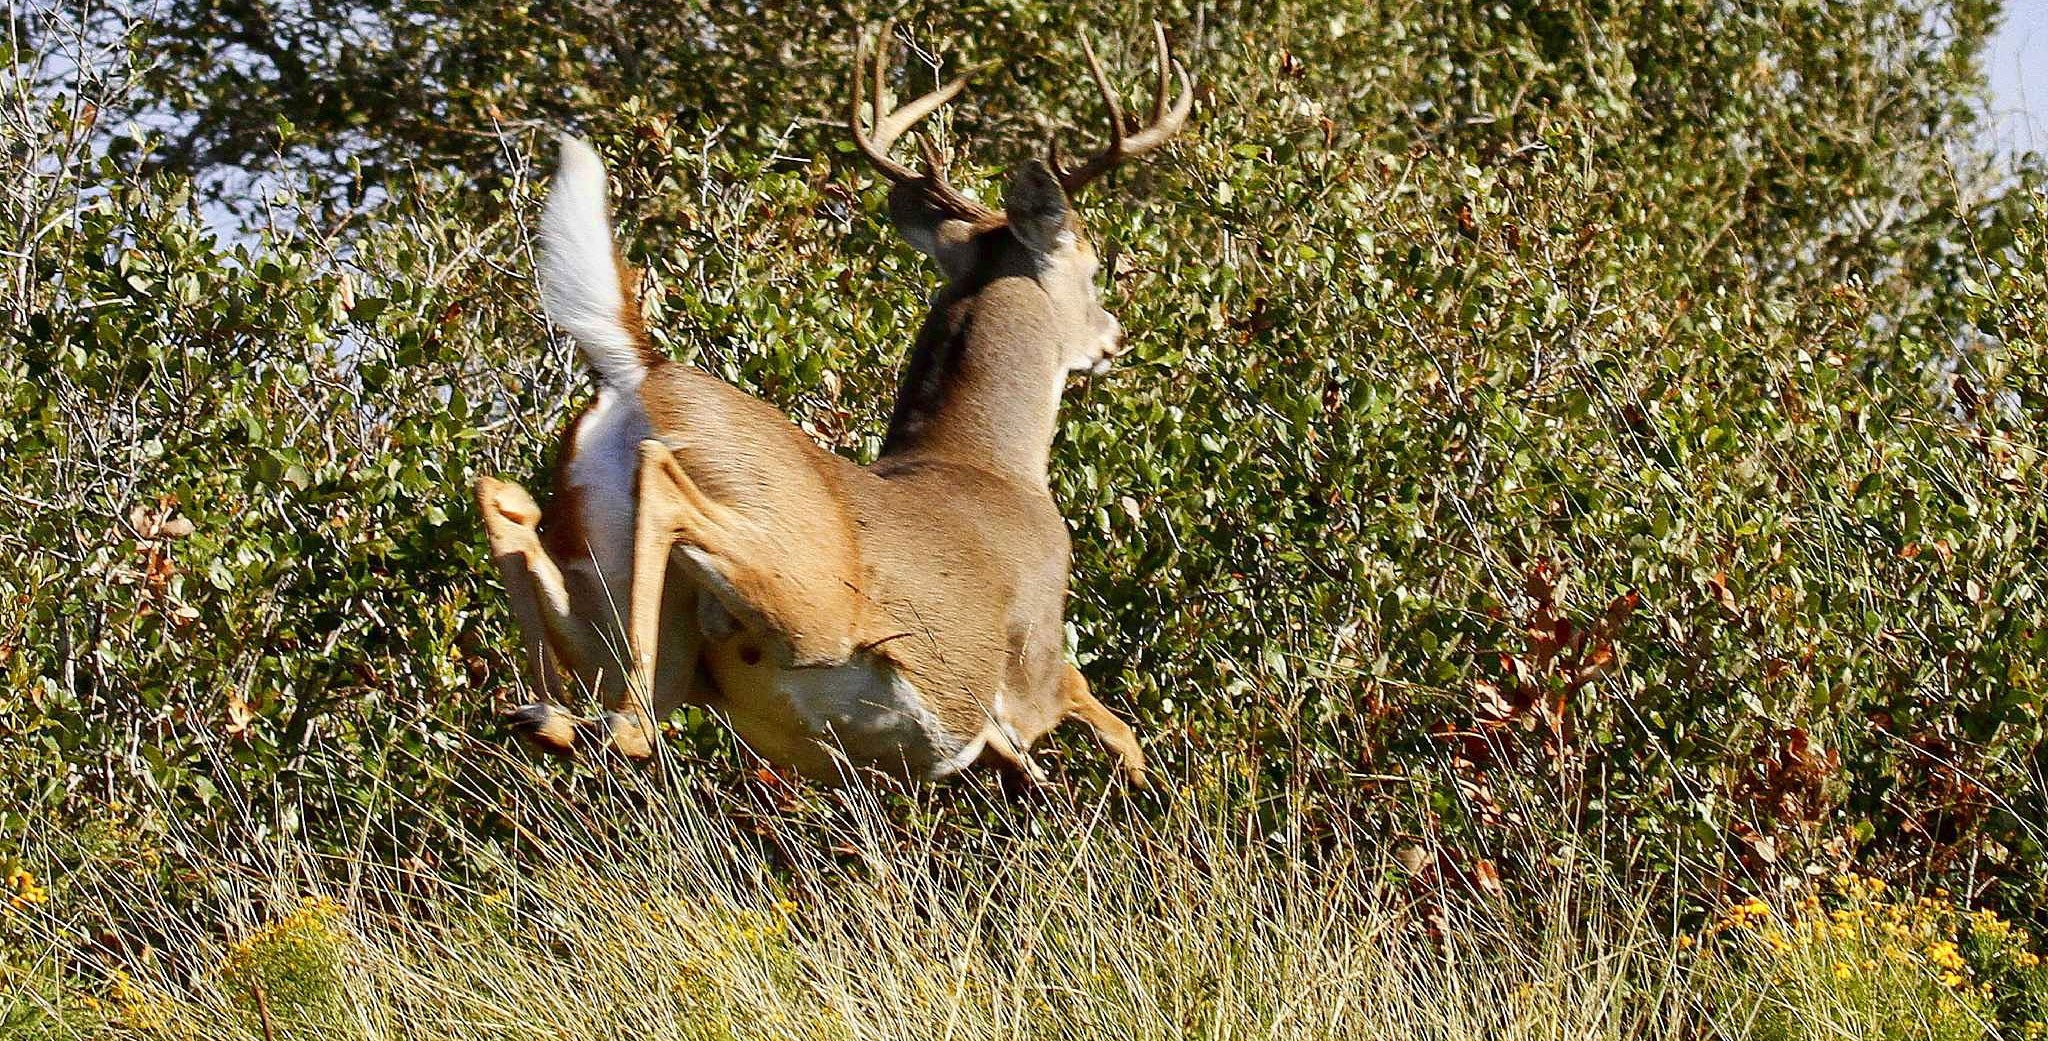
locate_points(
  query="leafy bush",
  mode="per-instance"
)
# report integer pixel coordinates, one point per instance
(1628, 411)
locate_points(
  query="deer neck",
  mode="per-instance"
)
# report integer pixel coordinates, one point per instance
(983, 383)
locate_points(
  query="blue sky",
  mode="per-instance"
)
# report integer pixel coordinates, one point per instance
(2018, 64)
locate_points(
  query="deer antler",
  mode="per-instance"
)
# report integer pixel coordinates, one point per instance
(1123, 143)
(891, 124)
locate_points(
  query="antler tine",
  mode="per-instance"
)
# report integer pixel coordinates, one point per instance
(1109, 98)
(877, 153)
(1165, 59)
(891, 125)
(941, 190)
(1123, 143)
(877, 79)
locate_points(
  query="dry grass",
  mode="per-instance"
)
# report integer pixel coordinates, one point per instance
(661, 907)
(693, 916)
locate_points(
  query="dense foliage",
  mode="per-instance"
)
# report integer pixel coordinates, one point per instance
(1635, 407)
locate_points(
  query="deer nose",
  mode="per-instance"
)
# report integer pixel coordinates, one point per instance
(1112, 349)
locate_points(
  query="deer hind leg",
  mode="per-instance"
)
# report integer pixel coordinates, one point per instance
(674, 511)
(540, 603)
(671, 508)
(1079, 703)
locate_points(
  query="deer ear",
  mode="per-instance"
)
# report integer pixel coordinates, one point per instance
(936, 232)
(1037, 208)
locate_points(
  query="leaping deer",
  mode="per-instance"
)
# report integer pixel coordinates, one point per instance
(906, 615)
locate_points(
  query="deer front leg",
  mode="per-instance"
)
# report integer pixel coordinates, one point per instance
(540, 603)
(1014, 767)
(1080, 703)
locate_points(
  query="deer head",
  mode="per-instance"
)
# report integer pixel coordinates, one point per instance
(1031, 261)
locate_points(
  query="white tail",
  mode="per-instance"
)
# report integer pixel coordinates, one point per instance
(582, 283)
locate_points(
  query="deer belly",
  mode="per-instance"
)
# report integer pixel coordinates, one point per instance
(818, 720)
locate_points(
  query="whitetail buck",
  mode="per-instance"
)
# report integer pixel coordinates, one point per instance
(907, 615)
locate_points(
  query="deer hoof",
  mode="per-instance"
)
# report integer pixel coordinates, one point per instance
(1130, 763)
(617, 732)
(546, 727)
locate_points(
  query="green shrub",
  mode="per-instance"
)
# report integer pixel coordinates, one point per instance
(295, 965)
(1570, 405)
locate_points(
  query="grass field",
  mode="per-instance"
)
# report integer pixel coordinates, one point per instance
(625, 905)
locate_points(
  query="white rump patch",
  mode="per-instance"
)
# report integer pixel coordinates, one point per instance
(605, 468)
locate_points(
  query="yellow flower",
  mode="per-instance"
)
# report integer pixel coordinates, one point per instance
(1945, 955)
(1990, 926)
(26, 891)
